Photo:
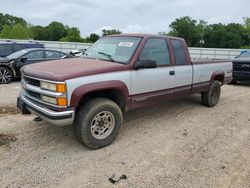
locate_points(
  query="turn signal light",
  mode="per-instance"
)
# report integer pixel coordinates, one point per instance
(60, 88)
(62, 102)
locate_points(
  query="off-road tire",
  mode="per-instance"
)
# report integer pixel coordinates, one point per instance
(212, 96)
(83, 127)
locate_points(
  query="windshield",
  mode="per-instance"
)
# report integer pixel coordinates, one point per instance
(17, 54)
(245, 54)
(116, 49)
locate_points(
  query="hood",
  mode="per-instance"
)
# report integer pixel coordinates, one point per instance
(242, 59)
(61, 70)
(4, 60)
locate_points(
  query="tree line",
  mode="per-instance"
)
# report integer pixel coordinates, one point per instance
(197, 33)
(201, 34)
(12, 27)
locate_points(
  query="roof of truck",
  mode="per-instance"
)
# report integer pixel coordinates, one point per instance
(142, 35)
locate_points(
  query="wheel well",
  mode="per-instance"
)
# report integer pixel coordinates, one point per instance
(6, 66)
(219, 78)
(112, 94)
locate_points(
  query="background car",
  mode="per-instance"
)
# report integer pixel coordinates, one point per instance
(241, 67)
(11, 65)
(8, 47)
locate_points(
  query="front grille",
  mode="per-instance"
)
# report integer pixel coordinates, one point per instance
(34, 94)
(244, 67)
(31, 81)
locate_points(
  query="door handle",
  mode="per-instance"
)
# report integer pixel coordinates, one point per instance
(171, 73)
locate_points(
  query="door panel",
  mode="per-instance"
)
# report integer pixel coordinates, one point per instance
(183, 75)
(150, 80)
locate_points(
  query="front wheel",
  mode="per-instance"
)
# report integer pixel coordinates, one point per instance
(6, 75)
(98, 122)
(212, 96)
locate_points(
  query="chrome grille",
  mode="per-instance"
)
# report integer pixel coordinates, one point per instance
(33, 91)
(241, 66)
(33, 94)
(31, 81)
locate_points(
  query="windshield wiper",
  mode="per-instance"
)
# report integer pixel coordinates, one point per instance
(107, 55)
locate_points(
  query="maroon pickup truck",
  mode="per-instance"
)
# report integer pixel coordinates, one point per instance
(116, 74)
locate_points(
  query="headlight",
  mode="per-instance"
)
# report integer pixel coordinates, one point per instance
(49, 99)
(56, 101)
(53, 87)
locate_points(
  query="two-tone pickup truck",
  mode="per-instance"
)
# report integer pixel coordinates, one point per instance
(118, 73)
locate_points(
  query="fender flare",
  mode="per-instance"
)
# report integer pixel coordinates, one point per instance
(215, 74)
(83, 90)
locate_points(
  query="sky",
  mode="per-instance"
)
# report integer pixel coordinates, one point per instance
(129, 16)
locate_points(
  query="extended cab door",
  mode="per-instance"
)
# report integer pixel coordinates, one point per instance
(147, 84)
(183, 67)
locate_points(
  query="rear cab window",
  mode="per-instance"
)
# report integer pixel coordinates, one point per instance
(179, 52)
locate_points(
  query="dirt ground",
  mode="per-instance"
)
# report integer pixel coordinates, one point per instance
(177, 144)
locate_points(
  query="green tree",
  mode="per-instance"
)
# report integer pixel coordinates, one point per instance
(6, 31)
(92, 38)
(187, 28)
(39, 32)
(19, 32)
(225, 36)
(56, 31)
(6, 19)
(247, 27)
(73, 35)
(106, 32)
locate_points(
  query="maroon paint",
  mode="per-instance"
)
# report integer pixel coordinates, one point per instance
(81, 91)
(157, 97)
(61, 70)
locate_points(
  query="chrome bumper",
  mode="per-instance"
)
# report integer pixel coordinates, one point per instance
(56, 118)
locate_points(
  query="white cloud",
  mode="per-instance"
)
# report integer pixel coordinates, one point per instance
(130, 16)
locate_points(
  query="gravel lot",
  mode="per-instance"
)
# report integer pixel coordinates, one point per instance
(177, 144)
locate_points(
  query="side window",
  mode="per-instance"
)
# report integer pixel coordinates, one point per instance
(5, 49)
(61, 55)
(156, 50)
(52, 55)
(18, 47)
(34, 55)
(178, 52)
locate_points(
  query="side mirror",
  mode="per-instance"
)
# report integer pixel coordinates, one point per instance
(24, 59)
(145, 64)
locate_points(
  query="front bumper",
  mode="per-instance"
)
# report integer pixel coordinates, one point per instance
(241, 75)
(59, 118)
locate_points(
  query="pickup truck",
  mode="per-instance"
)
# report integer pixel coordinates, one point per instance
(117, 74)
(241, 67)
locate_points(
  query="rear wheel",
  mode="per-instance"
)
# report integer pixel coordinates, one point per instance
(211, 97)
(6, 75)
(98, 122)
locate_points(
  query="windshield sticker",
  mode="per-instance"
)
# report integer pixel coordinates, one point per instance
(126, 44)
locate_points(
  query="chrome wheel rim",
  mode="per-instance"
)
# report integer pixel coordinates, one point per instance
(5, 76)
(102, 125)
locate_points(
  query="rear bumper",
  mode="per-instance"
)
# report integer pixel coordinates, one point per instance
(59, 118)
